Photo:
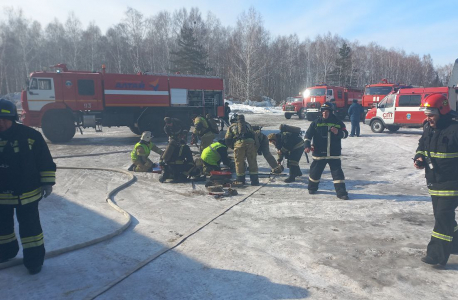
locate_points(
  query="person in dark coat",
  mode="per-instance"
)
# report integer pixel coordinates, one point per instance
(227, 111)
(355, 112)
(327, 131)
(290, 146)
(27, 174)
(179, 165)
(437, 153)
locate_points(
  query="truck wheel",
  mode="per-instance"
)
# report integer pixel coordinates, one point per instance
(135, 130)
(153, 123)
(377, 126)
(393, 128)
(58, 126)
(288, 116)
(301, 114)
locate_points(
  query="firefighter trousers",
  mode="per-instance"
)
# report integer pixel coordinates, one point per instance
(29, 230)
(444, 238)
(264, 149)
(245, 149)
(143, 165)
(338, 177)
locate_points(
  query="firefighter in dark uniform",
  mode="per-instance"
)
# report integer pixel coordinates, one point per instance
(290, 146)
(213, 155)
(27, 174)
(140, 153)
(327, 132)
(262, 147)
(437, 153)
(174, 129)
(203, 131)
(179, 166)
(240, 137)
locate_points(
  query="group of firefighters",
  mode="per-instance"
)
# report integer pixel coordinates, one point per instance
(27, 169)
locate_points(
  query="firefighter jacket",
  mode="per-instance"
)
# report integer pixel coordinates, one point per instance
(143, 149)
(201, 126)
(214, 154)
(174, 129)
(286, 143)
(182, 155)
(439, 149)
(25, 165)
(239, 132)
(326, 144)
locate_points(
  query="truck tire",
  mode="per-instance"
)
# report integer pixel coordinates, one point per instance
(58, 126)
(288, 116)
(301, 114)
(152, 122)
(377, 126)
(135, 130)
(393, 128)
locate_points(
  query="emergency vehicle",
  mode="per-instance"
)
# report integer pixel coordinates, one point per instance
(402, 108)
(61, 101)
(294, 106)
(374, 93)
(315, 96)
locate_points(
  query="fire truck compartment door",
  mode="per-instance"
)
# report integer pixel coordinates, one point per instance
(178, 96)
(41, 92)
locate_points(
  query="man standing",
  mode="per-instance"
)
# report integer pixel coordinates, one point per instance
(27, 173)
(355, 111)
(240, 137)
(327, 132)
(140, 153)
(291, 146)
(437, 153)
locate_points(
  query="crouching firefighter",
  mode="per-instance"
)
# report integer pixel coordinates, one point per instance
(240, 137)
(327, 132)
(27, 173)
(262, 147)
(289, 145)
(437, 153)
(213, 155)
(203, 131)
(179, 165)
(140, 153)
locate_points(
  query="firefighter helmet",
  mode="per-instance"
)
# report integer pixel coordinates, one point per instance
(438, 101)
(233, 118)
(240, 118)
(8, 110)
(327, 106)
(146, 136)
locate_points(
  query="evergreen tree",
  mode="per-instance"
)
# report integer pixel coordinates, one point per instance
(343, 74)
(191, 56)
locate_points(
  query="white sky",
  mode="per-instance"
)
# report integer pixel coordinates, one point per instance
(419, 27)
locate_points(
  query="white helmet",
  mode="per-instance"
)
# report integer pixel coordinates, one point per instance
(147, 136)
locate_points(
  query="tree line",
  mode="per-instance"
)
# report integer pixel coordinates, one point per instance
(251, 60)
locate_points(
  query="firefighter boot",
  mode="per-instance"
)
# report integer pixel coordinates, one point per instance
(254, 179)
(131, 168)
(293, 172)
(241, 179)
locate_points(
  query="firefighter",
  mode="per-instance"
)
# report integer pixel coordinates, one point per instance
(141, 151)
(262, 147)
(290, 146)
(174, 129)
(327, 132)
(437, 153)
(27, 174)
(213, 155)
(203, 131)
(240, 137)
(179, 166)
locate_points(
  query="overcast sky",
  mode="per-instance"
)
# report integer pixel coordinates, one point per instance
(421, 27)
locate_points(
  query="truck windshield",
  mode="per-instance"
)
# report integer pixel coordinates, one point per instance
(314, 92)
(378, 90)
(297, 99)
(388, 101)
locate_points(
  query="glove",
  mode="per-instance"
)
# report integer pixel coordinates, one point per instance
(46, 190)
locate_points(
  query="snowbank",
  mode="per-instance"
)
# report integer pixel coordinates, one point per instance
(253, 107)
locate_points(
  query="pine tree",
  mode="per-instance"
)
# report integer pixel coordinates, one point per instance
(191, 56)
(343, 74)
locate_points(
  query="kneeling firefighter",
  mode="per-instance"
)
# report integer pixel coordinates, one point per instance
(240, 137)
(213, 155)
(290, 146)
(141, 151)
(179, 165)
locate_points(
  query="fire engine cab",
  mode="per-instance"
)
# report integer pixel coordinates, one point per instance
(401, 109)
(374, 93)
(315, 96)
(61, 101)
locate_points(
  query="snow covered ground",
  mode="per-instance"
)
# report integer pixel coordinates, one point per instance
(278, 242)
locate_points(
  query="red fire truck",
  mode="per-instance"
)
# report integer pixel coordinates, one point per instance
(315, 96)
(294, 106)
(61, 101)
(374, 93)
(401, 109)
